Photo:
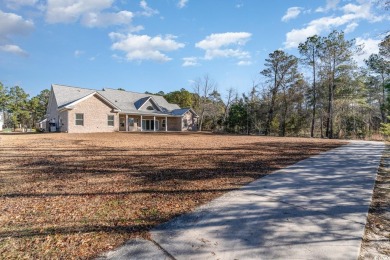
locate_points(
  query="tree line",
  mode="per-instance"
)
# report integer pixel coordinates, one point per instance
(19, 110)
(322, 93)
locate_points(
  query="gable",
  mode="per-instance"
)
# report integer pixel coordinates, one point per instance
(93, 101)
(65, 95)
(149, 105)
(52, 107)
(184, 111)
(93, 95)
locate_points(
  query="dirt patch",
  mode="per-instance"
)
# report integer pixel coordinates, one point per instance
(74, 196)
(376, 240)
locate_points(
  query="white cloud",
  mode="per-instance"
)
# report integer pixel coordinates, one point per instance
(78, 53)
(352, 14)
(147, 11)
(330, 5)
(14, 49)
(244, 63)
(144, 47)
(106, 19)
(89, 12)
(69, 11)
(134, 29)
(225, 45)
(218, 40)
(351, 27)
(370, 46)
(291, 13)
(16, 4)
(13, 24)
(182, 3)
(226, 53)
(190, 62)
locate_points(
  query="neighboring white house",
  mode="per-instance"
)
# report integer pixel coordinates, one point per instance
(41, 125)
(1, 120)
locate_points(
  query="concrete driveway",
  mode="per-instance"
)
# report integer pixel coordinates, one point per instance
(315, 209)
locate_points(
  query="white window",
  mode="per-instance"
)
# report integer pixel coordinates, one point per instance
(163, 123)
(79, 119)
(110, 120)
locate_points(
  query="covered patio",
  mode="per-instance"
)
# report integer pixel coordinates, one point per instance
(150, 123)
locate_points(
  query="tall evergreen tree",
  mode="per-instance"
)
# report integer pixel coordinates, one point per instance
(310, 51)
(18, 106)
(336, 54)
(280, 71)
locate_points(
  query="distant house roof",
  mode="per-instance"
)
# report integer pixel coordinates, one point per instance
(123, 101)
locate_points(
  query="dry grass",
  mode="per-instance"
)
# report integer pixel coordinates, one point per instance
(376, 241)
(77, 195)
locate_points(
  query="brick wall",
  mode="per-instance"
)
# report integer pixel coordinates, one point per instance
(95, 113)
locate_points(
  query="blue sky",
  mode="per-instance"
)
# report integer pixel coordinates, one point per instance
(153, 45)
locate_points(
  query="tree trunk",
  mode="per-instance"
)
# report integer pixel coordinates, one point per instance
(383, 106)
(270, 114)
(327, 134)
(321, 126)
(314, 100)
(284, 115)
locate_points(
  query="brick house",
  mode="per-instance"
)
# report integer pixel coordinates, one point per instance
(80, 110)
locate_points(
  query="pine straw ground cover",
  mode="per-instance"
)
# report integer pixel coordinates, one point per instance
(376, 240)
(77, 195)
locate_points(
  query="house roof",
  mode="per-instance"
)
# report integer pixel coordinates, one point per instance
(66, 95)
(182, 111)
(124, 101)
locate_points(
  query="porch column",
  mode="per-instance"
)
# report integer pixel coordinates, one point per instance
(127, 123)
(154, 124)
(141, 123)
(166, 124)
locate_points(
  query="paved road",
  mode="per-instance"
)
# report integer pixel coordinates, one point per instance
(315, 209)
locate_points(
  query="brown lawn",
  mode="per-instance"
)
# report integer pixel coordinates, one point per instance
(78, 195)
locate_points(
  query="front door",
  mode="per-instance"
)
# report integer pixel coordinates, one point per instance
(122, 123)
(150, 125)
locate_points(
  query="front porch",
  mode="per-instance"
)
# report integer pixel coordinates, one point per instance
(133, 123)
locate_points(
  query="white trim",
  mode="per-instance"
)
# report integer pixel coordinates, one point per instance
(75, 119)
(113, 120)
(50, 101)
(70, 106)
(147, 114)
(155, 103)
(127, 122)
